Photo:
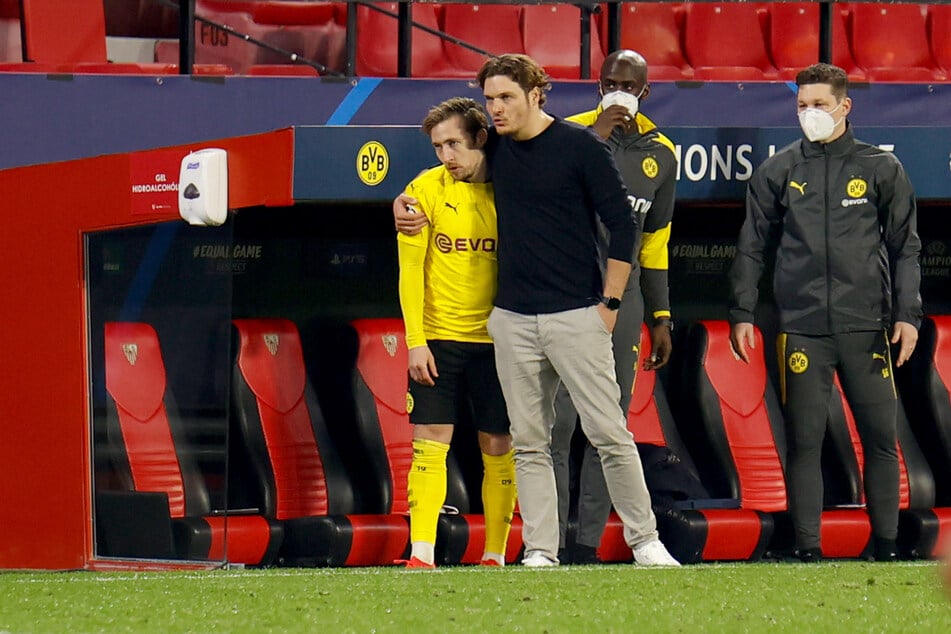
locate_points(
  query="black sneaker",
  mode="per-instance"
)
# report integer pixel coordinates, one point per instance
(809, 555)
(886, 550)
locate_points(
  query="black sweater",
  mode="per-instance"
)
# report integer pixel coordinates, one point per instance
(549, 192)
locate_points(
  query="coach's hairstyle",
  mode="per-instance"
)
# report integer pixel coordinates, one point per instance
(521, 69)
(825, 74)
(471, 111)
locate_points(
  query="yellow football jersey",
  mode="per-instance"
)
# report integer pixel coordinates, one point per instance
(448, 272)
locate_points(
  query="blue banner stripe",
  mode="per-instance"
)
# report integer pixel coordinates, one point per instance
(353, 101)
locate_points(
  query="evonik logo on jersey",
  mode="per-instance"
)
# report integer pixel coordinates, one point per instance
(448, 244)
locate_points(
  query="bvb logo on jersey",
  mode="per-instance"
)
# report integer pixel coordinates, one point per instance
(410, 403)
(373, 163)
(650, 167)
(856, 188)
(798, 362)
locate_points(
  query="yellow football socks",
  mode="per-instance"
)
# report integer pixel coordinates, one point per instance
(426, 492)
(498, 502)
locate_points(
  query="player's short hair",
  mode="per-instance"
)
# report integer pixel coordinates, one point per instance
(521, 69)
(825, 74)
(471, 111)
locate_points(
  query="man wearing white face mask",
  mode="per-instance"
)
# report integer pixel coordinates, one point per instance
(648, 166)
(841, 216)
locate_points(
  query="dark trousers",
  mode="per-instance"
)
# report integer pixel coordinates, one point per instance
(807, 366)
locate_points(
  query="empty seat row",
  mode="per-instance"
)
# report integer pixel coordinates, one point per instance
(762, 41)
(313, 503)
(326, 499)
(74, 40)
(706, 41)
(315, 31)
(551, 34)
(730, 416)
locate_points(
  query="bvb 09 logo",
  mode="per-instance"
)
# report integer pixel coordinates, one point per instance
(649, 166)
(856, 188)
(372, 163)
(798, 362)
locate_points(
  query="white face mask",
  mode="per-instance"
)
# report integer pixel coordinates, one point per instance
(621, 98)
(817, 124)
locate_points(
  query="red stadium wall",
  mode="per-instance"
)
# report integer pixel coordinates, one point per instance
(45, 514)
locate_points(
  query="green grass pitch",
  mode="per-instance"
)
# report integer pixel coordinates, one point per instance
(768, 597)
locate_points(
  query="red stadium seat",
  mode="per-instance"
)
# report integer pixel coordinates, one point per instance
(301, 480)
(794, 39)
(939, 34)
(64, 33)
(386, 442)
(890, 43)
(74, 35)
(734, 422)
(704, 530)
(216, 46)
(494, 28)
(377, 43)
(551, 36)
(654, 29)
(148, 448)
(725, 41)
(309, 29)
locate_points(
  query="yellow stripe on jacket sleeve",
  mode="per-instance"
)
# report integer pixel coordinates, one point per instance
(653, 253)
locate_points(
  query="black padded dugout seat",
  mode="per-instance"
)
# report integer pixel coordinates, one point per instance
(147, 441)
(379, 385)
(925, 387)
(736, 425)
(920, 523)
(302, 481)
(700, 530)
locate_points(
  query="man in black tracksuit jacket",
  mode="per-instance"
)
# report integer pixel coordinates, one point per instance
(840, 215)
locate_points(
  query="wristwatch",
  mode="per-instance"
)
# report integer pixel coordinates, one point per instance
(664, 321)
(613, 303)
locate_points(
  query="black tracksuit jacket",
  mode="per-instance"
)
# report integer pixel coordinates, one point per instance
(844, 217)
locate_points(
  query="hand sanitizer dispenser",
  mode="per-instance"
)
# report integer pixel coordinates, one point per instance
(203, 188)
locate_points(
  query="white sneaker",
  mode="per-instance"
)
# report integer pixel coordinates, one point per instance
(654, 553)
(535, 559)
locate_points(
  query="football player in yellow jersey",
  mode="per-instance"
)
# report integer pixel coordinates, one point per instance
(448, 276)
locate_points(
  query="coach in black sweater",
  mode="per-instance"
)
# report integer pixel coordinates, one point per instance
(554, 311)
